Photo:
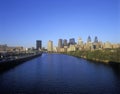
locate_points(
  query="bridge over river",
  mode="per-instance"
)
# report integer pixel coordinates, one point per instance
(60, 74)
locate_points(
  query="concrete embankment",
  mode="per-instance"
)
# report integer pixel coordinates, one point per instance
(5, 65)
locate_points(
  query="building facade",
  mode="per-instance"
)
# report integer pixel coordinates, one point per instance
(89, 39)
(80, 42)
(72, 41)
(50, 46)
(38, 44)
(60, 43)
(65, 42)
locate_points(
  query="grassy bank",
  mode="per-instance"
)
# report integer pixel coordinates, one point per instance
(106, 55)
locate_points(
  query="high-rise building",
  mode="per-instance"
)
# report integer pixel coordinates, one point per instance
(96, 39)
(65, 42)
(38, 44)
(60, 43)
(89, 39)
(107, 45)
(80, 42)
(50, 46)
(95, 43)
(72, 41)
(3, 47)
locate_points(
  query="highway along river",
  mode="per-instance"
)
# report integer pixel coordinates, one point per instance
(60, 74)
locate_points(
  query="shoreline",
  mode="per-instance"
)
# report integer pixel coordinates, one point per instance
(6, 65)
(95, 59)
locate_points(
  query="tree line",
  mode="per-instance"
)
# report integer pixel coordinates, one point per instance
(105, 55)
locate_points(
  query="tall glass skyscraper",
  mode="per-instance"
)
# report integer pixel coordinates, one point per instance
(38, 44)
(96, 39)
(89, 39)
(60, 43)
(65, 42)
(72, 41)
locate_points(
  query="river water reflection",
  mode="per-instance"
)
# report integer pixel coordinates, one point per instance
(61, 74)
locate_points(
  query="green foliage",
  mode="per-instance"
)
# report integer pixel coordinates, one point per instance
(111, 55)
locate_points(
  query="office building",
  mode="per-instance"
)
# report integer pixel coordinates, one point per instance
(72, 41)
(38, 44)
(107, 45)
(89, 39)
(80, 42)
(50, 46)
(96, 39)
(65, 42)
(60, 43)
(3, 48)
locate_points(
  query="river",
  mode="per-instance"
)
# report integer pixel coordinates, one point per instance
(60, 74)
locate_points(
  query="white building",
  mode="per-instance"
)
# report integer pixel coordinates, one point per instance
(80, 42)
(107, 45)
(55, 49)
(71, 48)
(50, 46)
(115, 45)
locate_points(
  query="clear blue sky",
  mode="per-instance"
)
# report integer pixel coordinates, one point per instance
(22, 22)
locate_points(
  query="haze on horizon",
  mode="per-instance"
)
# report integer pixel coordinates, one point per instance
(22, 22)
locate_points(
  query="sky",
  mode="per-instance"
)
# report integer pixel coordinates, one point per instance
(22, 22)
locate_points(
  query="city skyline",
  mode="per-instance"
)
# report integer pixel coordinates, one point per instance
(64, 42)
(25, 21)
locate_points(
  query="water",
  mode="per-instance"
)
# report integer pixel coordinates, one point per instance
(60, 74)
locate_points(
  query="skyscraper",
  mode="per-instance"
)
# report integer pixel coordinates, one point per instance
(72, 41)
(89, 39)
(80, 42)
(65, 42)
(95, 44)
(60, 43)
(50, 46)
(38, 44)
(96, 39)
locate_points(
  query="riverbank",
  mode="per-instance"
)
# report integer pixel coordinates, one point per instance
(8, 64)
(59, 73)
(104, 56)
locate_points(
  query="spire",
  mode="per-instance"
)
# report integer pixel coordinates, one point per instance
(89, 39)
(96, 39)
